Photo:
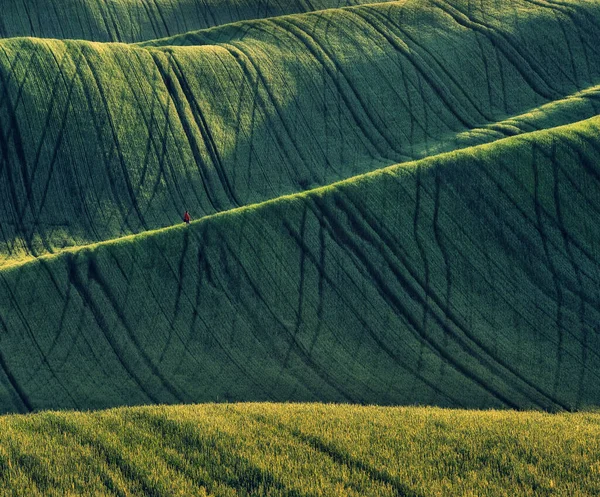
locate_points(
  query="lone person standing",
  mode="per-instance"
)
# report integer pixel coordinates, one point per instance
(186, 217)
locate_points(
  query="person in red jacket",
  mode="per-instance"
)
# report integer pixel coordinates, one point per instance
(186, 217)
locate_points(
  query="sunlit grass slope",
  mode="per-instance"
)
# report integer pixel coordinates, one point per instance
(136, 20)
(101, 140)
(298, 450)
(467, 279)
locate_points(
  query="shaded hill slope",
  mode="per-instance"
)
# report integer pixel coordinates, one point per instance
(282, 450)
(98, 141)
(138, 20)
(467, 279)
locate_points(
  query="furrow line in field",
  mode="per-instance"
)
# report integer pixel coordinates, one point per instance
(526, 266)
(550, 264)
(42, 355)
(11, 184)
(575, 80)
(152, 143)
(437, 235)
(164, 156)
(449, 319)
(107, 157)
(402, 98)
(56, 91)
(525, 215)
(340, 236)
(95, 275)
(297, 346)
(320, 286)
(532, 221)
(88, 301)
(14, 132)
(340, 456)
(416, 61)
(245, 62)
(111, 15)
(151, 19)
(57, 428)
(422, 251)
(335, 71)
(173, 92)
(340, 365)
(457, 86)
(157, 302)
(243, 475)
(260, 106)
(111, 456)
(34, 468)
(86, 210)
(22, 397)
(379, 342)
(121, 158)
(489, 221)
(529, 69)
(228, 353)
(578, 22)
(204, 128)
(575, 266)
(160, 14)
(308, 126)
(176, 307)
(390, 243)
(300, 291)
(57, 145)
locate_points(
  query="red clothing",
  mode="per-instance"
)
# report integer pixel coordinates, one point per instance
(186, 217)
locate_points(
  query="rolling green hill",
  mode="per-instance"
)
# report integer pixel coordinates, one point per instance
(105, 140)
(396, 204)
(300, 450)
(130, 21)
(466, 279)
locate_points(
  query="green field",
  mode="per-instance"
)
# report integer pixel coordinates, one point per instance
(300, 450)
(131, 21)
(394, 203)
(395, 213)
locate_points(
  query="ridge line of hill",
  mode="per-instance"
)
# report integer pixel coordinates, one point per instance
(421, 162)
(163, 41)
(104, 140)
(170, 41)
(134, 21)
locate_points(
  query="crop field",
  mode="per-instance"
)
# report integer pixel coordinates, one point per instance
(297, 450)
(393, 204)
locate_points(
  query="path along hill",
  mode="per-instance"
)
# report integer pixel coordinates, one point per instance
(394, 203)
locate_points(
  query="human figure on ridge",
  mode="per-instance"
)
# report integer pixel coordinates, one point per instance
(186, 217)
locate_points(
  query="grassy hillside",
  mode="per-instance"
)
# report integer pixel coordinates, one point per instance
(105, 140)
(467, 279)
(277, 450)
(137, 20)
(465, 274)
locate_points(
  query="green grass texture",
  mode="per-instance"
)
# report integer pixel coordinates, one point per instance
(300, 450)
(104, 140)
(394, 203)
(467, 279)
(131, 21)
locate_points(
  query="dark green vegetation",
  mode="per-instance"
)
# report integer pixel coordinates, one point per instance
(297, 450)
(137, 20)
(463, 272)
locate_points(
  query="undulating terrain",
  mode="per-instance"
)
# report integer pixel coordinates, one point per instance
(393, 203)
(300, 450)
